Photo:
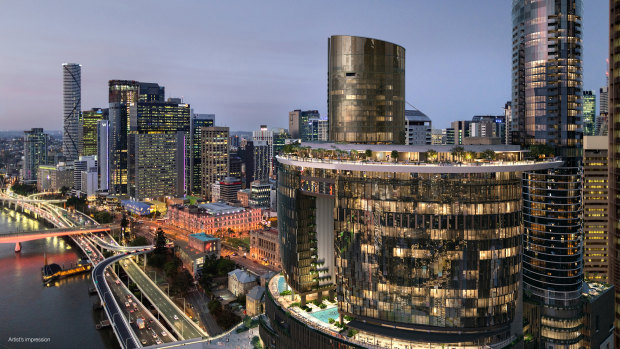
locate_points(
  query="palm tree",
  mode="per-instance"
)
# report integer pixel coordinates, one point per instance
(458, 152)
(368, 153)
(488, 154)
(431, 155)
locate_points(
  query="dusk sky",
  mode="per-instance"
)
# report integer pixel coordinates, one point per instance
(251, 62)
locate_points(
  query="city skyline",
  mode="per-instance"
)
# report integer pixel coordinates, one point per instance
(252, 64)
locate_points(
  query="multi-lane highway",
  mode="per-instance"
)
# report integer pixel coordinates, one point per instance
(122, 329)
(184, 327)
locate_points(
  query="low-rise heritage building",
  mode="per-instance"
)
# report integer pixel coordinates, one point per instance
(240, 282)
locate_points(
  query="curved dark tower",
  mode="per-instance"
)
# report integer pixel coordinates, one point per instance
(366, 90)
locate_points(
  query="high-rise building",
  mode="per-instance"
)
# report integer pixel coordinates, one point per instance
(318, 130)
(614, 157)
(265, 137)
(547, 106)
(198, 122)
(595, 201)
(123, 97)
(508, 120)
(215, 145)
(246, 153)
(262, 160)
(72, 106)
(425, 256)
(85, 176)
(460, 131)
(35, 153)
(298, 123)
(366, 83)
(589, 112)
(103, 154)
(88, 125)
(418, 128)
(489, 127)
(158, 142)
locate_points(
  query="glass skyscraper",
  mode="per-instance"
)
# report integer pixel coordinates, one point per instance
(589, 113)
(88, 124)
(35, 153)
(197, 123)
(366, 84)
(547, 111)
(614, 155)
(157, 144)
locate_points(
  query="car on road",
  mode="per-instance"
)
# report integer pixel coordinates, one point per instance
(163, 333)
(127, 304)
(176, 317)
(158, 341)
(143, 341)
(118, 282)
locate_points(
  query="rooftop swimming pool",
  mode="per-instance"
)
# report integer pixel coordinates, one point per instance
(281, 284)
(324, 315)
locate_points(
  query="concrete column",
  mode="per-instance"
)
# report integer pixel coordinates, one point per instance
(303, 299)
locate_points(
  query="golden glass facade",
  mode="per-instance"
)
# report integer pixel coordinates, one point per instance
(366, 90)
(435, 250)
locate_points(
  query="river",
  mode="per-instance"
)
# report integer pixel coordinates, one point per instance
(35, 316)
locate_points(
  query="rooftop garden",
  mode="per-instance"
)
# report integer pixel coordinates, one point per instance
(457, 154)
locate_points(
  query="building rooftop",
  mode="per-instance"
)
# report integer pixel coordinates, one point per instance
(203, 237)
(218, 208)
(256, 293)
(416, 115)
(593, 290)
(242, 276)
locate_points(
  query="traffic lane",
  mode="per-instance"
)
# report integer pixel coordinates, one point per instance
(200, 303)
(136, 312)
(110, 303)
(168, 311)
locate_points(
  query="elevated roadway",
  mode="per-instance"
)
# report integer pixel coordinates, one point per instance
(122, 329)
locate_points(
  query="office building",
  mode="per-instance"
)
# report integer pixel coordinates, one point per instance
(280, 137)
(262, 160)
(260, 194)
(298, 123)
(225, 190)
(85, 176)
(366, 84)
(35, 153)
(595, 201)
(489, 127)
(88, 126)
(197, 123)
(103, 154)
(614, 158)
(318, 130)
(72, 106)
(460, 131)
(246, 153)
(158, 142)
(54, 177)
(589, 113)
(264, 137)
(243, 196)
(215, 157)
(418, 128)
(508, 121)
(438, 137)
(123, 98)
